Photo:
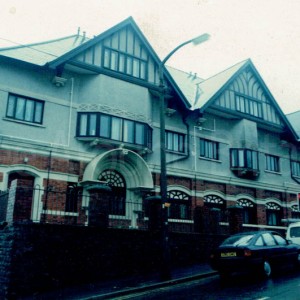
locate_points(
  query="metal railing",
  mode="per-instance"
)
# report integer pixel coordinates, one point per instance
(35, 204)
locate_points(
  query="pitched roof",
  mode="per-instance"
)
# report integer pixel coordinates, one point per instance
(42, 53)
(294, 120)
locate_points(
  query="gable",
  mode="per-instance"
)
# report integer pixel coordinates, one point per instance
(124, 52)
(247, 95)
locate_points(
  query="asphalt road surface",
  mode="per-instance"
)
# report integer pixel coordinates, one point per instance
(284, 286)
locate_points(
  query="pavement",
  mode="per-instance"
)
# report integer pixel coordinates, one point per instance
(113, 289)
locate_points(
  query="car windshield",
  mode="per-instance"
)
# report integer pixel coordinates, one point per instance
(295, 232)
(240, 240)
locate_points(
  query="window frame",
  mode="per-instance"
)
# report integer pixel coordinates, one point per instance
(243, 154)
(117, 132)
(212, 147)
(295, 168)
(11, 112)
(125, 63)
(272, 163)
(175, 140)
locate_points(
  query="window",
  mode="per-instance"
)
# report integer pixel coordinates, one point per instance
(279, 239)
(71, 198)
(244, 158)
(25, 109)
(272, 163)
(216, 202)
(209, 149)
(269, 240)
(180, 205)
(295, 165)
(273, 214)
(249, 211)
(114, 128)
(174, 141)
(125, 63)
(248, 106)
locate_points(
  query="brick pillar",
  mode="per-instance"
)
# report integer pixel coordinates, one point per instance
(235, 219)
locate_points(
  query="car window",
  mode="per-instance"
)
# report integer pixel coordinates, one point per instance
(269, 240)
(240, 240)
(259, 242)
(279, 239)
(295, 232)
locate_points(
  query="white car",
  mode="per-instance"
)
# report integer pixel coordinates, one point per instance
(293, 233)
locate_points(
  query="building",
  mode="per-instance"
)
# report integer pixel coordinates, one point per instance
(81, 114)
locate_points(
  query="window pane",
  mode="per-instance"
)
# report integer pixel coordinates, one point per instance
(241, 162)
(129, 65)
(92, 124)
(106, 58)
(11, 106)
(38, 112)
(121, 63)
(136, 68)
(29, 110)
(143, 70)
(139, 134)
(175, 142)
(114, 60)
(104, 126)
(20, 109)
(116, 128)
(128, 131)
(83, 124)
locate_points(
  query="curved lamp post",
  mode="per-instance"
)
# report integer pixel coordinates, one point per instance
(166, 273)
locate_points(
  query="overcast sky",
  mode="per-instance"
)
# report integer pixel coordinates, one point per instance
(266, 31)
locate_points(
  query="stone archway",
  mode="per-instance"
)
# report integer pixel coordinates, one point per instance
(137, 179)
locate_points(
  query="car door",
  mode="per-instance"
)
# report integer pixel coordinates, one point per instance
(288, 253)
(272, 251)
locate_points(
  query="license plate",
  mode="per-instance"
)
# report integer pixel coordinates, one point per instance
(228, 254)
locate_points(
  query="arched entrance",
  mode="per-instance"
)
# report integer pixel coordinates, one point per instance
(128, 176)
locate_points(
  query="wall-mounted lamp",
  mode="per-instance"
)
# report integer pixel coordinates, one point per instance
(59, 81)
(26, 160)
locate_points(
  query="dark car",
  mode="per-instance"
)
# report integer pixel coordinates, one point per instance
(259, 251)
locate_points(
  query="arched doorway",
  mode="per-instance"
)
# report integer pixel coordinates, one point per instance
(116, 182)
(130, 179)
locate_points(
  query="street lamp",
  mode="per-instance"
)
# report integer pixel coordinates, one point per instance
(166, 273)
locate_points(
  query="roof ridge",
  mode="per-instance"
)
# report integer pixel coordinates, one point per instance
(225, 70)
(294, 112)
(43, 42)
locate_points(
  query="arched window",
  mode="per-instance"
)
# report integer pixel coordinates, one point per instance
(295, 212)
(249, 211)
(118, 185)
(180, 205)
(274, 214)
(213, 201)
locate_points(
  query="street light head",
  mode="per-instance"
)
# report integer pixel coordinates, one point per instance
(200, 39)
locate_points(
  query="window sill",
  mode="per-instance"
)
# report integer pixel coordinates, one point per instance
(23, 122)
(210, 159)
(95, 141)
(273, 172)
(175, 152)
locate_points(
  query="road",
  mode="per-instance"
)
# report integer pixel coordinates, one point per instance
(284, 286)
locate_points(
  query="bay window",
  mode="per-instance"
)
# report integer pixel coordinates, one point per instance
(114, 128)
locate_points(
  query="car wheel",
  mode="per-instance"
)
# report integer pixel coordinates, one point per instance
(267, 269)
